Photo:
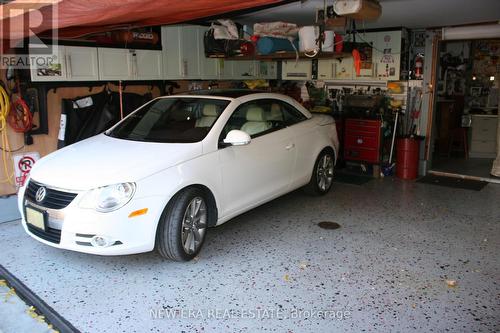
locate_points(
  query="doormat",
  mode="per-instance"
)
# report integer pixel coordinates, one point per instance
(466, 184)
(348, 178)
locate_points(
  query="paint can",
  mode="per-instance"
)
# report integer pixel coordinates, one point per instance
(328, 42)
(308, 37)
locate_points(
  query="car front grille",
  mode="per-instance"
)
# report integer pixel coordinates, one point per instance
(50, 234)
(54, 199)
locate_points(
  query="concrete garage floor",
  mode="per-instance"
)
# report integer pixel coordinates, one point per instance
(383, 270)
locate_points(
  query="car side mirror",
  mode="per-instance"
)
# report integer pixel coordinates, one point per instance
(237, 138)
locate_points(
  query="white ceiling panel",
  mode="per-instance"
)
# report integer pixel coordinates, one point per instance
(408, 13)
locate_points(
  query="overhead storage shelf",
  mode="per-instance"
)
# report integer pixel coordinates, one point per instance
(286, 56)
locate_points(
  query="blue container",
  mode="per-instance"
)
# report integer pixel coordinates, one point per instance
(267, 45)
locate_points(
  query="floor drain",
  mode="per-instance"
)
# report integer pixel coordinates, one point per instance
(328, 225)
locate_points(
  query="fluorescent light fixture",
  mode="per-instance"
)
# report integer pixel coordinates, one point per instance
(492, 78)
(471, 32)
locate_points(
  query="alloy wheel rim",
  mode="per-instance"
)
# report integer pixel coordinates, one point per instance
(324, 172)
(194, 225)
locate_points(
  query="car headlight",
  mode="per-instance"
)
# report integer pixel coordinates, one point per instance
(108, 198)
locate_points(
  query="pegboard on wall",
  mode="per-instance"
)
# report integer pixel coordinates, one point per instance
(47, 143)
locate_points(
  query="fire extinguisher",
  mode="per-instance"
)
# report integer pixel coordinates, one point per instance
(419, 66)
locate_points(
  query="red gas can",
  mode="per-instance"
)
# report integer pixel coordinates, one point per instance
(407, 158)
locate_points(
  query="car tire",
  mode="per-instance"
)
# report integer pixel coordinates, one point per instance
(183, 225)
(322, 176)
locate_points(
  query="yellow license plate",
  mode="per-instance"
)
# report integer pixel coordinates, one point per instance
(35, 218)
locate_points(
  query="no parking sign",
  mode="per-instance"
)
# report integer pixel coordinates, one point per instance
(22, 166)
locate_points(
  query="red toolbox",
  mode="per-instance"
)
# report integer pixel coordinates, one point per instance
(362, 140)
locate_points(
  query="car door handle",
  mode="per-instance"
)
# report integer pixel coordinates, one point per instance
(290, 146)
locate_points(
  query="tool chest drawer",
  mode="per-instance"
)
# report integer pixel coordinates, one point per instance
(360, 154)
(372, 126)
(362, 140)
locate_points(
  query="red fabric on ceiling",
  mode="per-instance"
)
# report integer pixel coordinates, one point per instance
(77, 18)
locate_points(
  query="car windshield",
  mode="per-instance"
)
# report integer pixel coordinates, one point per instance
(172, 120)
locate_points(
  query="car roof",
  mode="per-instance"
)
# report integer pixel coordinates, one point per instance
(241, 95)
(229, 93)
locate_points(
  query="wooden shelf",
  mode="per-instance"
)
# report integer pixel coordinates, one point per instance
(287, 55)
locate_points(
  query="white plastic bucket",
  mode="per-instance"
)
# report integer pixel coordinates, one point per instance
(307, 39)
(329, 41)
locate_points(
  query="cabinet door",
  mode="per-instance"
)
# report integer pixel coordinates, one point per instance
(171, 52)
(209, 68)
(244, 69)
(344, 68)
(81, 63)
(147, 64)
(268, 70)
(296, 70)
(45, 70)
(388, 57)
(115, 64)
(180, 52)
(190, 53)
(225, 69)
(326, 69)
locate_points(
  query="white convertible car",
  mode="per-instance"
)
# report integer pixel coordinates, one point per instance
(173, 168)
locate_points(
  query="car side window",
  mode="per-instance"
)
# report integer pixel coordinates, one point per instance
(291, 115)
(256, 118)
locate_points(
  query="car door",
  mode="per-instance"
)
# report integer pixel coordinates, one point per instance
(303, 136)
(256, 172)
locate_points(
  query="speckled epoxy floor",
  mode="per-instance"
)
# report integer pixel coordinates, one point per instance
(384, 270)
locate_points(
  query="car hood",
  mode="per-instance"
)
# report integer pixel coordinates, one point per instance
(102, 160)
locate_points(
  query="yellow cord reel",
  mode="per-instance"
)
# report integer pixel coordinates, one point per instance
(4, 112)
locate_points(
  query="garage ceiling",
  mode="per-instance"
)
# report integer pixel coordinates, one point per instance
(395, 13)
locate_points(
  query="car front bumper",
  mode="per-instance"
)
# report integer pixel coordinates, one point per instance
(78, 227)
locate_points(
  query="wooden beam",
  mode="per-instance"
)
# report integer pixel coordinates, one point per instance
(431, 90)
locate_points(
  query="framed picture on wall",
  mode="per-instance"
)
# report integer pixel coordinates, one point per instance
(475, 91)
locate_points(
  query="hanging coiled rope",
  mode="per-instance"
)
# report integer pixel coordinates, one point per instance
(20, 117)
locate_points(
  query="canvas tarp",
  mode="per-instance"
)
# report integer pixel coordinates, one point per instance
(74, 18)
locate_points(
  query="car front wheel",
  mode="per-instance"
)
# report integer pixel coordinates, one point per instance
(322, 177)
(183, 225)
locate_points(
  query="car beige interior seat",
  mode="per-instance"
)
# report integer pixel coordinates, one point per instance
(256, 121)
(209, 115)
(276, 114)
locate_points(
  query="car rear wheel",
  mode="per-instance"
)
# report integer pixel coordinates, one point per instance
(322, 177)
(183, 226)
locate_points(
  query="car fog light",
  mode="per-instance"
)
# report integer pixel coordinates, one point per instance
(100, 241)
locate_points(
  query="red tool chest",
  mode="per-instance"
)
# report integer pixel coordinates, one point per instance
(362, 140)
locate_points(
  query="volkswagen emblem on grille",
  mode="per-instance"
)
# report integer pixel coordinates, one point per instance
(40, 194)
